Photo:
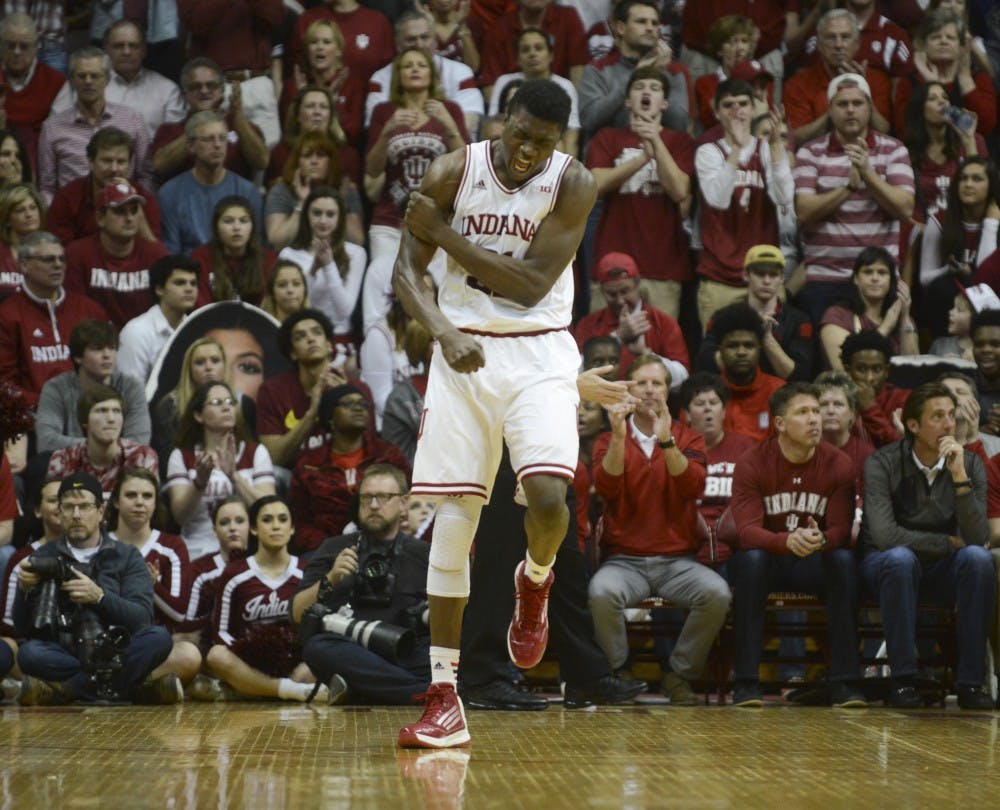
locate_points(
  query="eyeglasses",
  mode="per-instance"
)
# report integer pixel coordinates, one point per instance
(217, 402)
(19, 46)
(197, 87)
(378, 498)
(353, 404)
(71, 508)
(52, 259)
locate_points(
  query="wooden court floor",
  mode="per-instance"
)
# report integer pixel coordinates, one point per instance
(255, 755)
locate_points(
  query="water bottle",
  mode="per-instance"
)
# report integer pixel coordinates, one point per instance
(960, 118)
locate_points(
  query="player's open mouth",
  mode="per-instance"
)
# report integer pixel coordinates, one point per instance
(520, 166)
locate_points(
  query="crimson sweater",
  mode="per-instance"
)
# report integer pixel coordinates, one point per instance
(772, 496)
(664, 337)
(649, 512)
(747, 410)
(877, 418)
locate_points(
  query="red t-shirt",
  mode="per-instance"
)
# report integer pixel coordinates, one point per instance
(561, 23)
(751, 219)
(281, 403)
(805, 99)
(8, 500)
(768, 15)
(664, 337)
(933, 180)
(721, 464)
(350, 97)
(638, 218)
(410, 152)
(121, 286)
(10, 271)
(171, 131)
(369, 43)
(72, 216)
(772, 496)
(747, 410)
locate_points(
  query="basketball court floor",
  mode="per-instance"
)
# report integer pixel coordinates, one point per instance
(285, 756)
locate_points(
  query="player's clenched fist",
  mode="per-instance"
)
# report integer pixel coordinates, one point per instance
(461, 351)
(423, 217)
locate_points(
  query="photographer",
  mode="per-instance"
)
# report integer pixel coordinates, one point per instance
(78, 657)
(381, 573)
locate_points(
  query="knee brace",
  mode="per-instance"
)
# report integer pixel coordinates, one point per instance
(454, 529)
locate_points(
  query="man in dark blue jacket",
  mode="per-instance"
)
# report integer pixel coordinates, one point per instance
(64, 661)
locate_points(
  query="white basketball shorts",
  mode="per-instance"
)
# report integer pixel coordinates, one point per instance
(525, 393)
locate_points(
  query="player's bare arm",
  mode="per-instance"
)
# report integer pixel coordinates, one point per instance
(461, 351)
(525, 281)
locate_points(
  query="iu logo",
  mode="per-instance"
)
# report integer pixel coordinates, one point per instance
(796, 480)
(362, 40)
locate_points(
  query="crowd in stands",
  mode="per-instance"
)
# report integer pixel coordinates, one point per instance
(797, 204)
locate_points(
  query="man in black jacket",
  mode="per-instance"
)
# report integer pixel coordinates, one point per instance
(332, 578)
(118, 597)
(924, 534)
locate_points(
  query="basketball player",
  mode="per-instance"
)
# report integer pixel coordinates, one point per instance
(510, 214)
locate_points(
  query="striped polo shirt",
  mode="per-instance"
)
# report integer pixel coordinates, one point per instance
(821, 165)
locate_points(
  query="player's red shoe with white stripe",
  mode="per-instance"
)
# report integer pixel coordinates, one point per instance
(443, 722)
(528, 634)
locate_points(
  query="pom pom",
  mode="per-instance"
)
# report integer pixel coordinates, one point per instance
(16, 417)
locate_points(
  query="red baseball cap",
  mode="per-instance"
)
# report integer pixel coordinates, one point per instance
(616, 266)
(749, 70)
(117, 193)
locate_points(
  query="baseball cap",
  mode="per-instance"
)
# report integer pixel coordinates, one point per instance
(764, 254)
(614, 266)
(982, 297)
(117, 193)
(749, 70)
(849, 79)
(82, 482)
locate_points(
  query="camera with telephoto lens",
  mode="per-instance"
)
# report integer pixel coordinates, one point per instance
(77, 628)
(376, 577)
(388, 641)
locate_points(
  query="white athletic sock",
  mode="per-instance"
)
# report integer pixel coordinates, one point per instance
(444, 665)
(292, 690)
(535, 572)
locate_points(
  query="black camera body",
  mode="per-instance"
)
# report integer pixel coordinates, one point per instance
(77, 628)
(376, 577)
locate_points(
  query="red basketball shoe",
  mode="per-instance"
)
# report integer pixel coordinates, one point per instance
(442, 724)
(529, 629)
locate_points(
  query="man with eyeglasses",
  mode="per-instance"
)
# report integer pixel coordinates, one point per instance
(73, 212)
(37, 320)
(188, 201)
(120, 594)
(30, 84)
(204, 87)
(112, 266)
(325, 480)
(154, 97)
(62, 147)
(349, 669)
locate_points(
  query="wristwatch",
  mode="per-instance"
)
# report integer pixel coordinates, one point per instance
(325, 593)
(671, 442)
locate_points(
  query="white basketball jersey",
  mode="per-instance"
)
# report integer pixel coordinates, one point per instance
(504, 221)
